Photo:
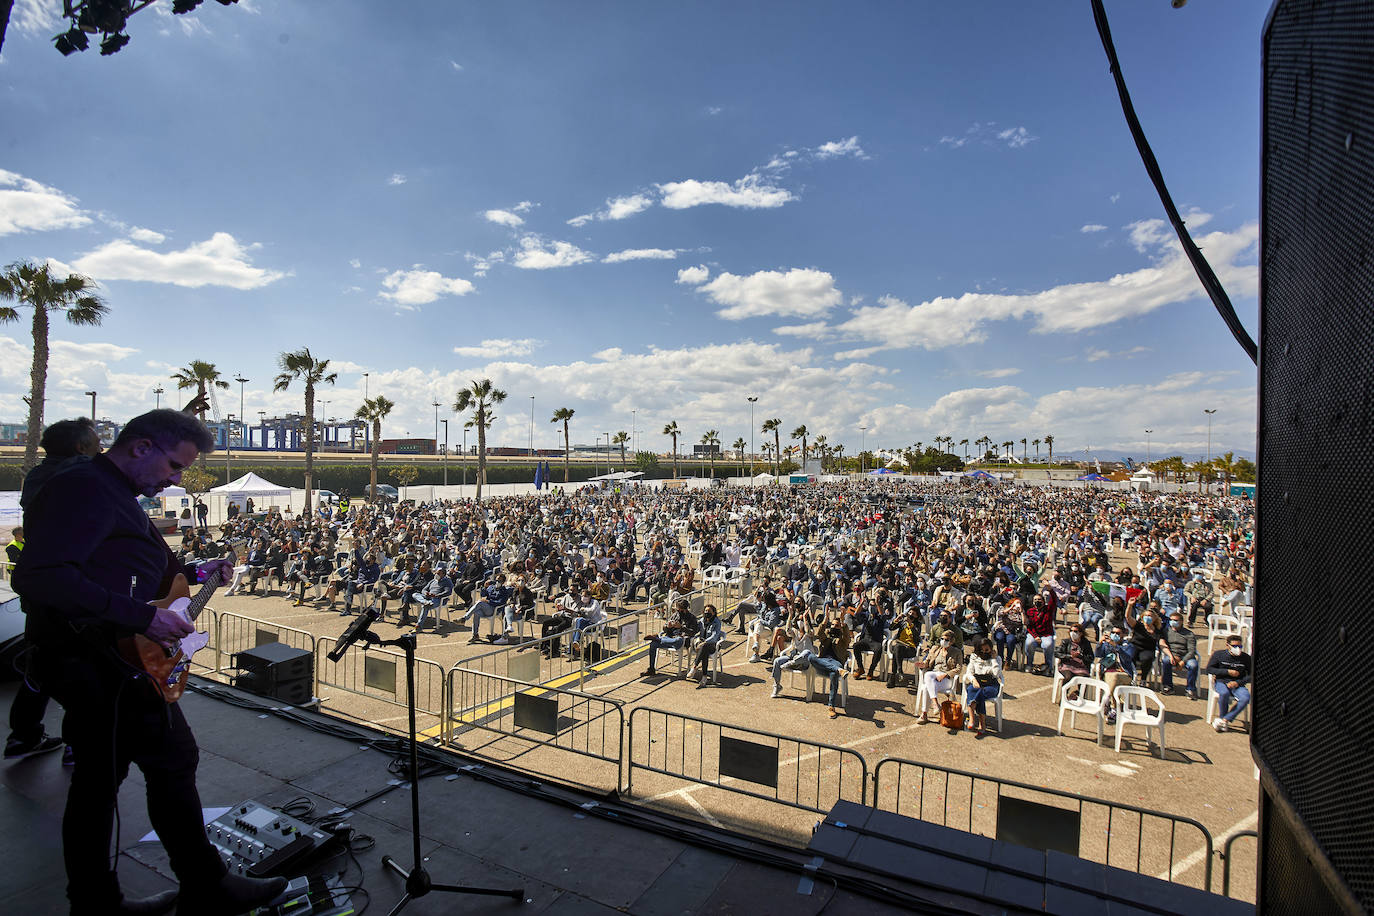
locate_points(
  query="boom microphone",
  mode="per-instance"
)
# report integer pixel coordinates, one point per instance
(356, 631)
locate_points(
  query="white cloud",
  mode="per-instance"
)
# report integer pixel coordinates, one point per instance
(150, 236)
(1115, 197)
(455, 65)
(218, 261)
(693, 276)
(816, 330)
(1006, 372)
(396, 179)
(836, 148)
(616, 208)
(1096, 355)
(987, 133)
(803, 292)
(1016, 137)
(1093, 227)
(481, 263)
(953, 321)
(354, 263)
(35, 17)
(749, 193)
(953, 142)
(503, 218)
(410, 288)
(714, 110)
(29, 206)
(535, 255)
(497, 348)
(640, 254)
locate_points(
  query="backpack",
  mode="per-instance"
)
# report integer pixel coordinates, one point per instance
(951, 715)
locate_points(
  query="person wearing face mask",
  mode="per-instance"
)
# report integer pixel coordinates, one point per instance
(1075, 655)
(1178, 649)
(1231, 667)
(1039, 634)
(940, 668)
(982, 682)
(1117, 665)
(1146, 632)
(906, 637)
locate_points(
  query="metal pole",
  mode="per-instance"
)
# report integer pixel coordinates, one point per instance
(158, 391)
(608, 454)
(1147, 446)
(863, 440)
(445, 451)
(228, 447)
(634, 435)
(436, 425)
(465, 456)
(531, 426)
(365, 375)
(92, 397)
(752, 402)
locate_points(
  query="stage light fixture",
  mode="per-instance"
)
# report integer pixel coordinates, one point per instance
(228, 2)
(113, 43)
(72, 41)
(184, 6)
(107, 16)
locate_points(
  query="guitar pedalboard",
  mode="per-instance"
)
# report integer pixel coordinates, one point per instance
(259, 841)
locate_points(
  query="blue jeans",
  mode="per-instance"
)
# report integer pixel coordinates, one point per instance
(977, 697)
(1044, 643)
(1189, 672)
(1090, 619)
(831, 667)
(798, 659)
(1225, 696)
(1006, 645)
(662, 642)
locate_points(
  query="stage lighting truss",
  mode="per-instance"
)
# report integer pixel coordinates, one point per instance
(107, 18)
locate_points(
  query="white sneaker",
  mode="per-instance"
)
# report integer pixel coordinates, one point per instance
(503, 641)
(1220, 724)
(755, 658)
(777, 691)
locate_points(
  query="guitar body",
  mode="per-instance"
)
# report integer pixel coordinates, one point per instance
(167, 669)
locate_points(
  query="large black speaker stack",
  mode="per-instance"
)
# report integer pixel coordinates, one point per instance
(1314, 698)
(278, 671)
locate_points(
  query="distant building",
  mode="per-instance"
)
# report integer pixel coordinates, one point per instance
(408, 447)
(14, 433)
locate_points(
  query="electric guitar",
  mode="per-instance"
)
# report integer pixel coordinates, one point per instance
(167, 669)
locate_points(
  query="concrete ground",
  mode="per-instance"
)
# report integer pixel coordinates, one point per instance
(1202, 775)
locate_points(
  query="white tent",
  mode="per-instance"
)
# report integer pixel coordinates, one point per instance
(251, 484)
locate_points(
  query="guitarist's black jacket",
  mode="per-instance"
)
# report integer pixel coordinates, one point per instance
(91, 556)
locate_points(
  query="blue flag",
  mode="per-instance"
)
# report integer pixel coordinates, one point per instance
(538, 476)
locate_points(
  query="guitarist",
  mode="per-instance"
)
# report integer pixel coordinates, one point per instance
(91, 565)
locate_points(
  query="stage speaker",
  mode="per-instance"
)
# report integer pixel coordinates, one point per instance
(1313, 716)
(274, 661)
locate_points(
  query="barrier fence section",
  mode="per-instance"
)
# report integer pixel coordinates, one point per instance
(567, 720)
(206, 661)
(380, 675)
(236, 633)
(744, 760)
(1110, 833)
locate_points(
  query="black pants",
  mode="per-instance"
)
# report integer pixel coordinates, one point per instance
(551, 626)
(900, 651)
(112, 721)
(868, 645)
(26, 714)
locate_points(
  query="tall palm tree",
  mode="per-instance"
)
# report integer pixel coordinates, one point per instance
(33, 285)
(563, 415)
(670, 429)
(374, 411)
(620, 439)
(964, 443)
(480, 397)
(739, 446)
(299, 364)
(1023, 449)
(1049, 444)
(774, 426)
(1010, 446)
(801, 432)
(820, 446)
(1226, 467)
(711, 439)
(920, 449)
(203, 377)
(1036, 442)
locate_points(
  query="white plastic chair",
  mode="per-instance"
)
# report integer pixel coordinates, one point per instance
(923, 699)
(713, 575)
(1091, 700)
(1214, 702)
(997, 700)
(813, 677)
(1223, 627)
(1133, 707)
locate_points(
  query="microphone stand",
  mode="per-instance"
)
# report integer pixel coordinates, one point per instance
(418, 882)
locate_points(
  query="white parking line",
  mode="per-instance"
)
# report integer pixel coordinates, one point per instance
(1200, 854)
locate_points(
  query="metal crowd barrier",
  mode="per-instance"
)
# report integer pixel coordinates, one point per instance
(380, 674)
(568, 720)
(1226, 859)
(744, 760)
(1041, 818)
(207, 661)
(236, 633)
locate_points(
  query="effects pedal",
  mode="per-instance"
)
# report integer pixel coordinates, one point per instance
(257, 840)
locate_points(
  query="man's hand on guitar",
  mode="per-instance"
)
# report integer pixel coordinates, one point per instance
(210, 567)
(167, 627)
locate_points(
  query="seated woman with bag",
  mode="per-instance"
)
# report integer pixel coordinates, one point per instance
(982, 681)
(940, 667)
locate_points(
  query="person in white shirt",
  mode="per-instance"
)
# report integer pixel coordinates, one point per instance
(982, 681)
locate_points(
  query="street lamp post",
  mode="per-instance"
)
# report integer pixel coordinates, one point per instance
(531, 426)
(1147, 446)
(752, 402)
(228, 449)
(445, 451)
(91, 395)
(242, 416)
(608, 454)
(634, 435)
(465, 456)
(863, 440)
(158, 391)
(436, 425)
(1209, 412)
(365, 375)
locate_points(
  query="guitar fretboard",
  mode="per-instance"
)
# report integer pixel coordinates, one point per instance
(202, 598)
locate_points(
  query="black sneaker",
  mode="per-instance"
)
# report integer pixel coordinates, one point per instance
(18, 750)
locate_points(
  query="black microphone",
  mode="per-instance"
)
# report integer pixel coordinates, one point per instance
(355, 632)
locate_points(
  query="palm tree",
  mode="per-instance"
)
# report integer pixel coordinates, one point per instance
(481, 397)
(29, 284)
(670, 429)
(774, 426)
(739, 446)
(565, 414)
(202, 376)
(820, 447)
(1226, 467)
(374, 410)
(711, 439)
(1049, 444)
(1023, 449)
(620, 439)
(964, 443)
(1010, 446)
(801, 432)
(301, 365)
(982, 443)
(1037, 450)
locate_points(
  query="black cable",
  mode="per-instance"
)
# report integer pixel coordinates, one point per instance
(1208, 278)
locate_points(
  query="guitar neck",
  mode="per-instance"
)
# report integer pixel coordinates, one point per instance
(202, 598)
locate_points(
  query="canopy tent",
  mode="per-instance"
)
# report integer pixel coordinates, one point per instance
(620, 475)
(1091, 477)
(881, 471)
(251, 484)
(171, 493)
(980, 475)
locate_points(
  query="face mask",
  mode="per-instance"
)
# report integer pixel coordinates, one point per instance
(945, 642)
(1116, 637)
(1077, 637)
(1235, 650)
(1147, 619)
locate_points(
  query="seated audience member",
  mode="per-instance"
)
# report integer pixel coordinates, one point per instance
(1039, 633)
(905, 643)
(982, 681)
(940, 668)
(1146, 633)
(870, 635)
(797, 656)
(559, 622)
(1178, 649)
(1117, 666)
(1231, 668)
(708, 639)
(763, 626)
(1075, 655)
(833, 652)
(680, 627)
(432, 597)
(1008, 630)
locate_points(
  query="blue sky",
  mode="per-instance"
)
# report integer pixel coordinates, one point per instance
(919, 218)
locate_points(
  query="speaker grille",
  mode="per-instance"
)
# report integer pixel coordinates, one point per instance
(1313, 724)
